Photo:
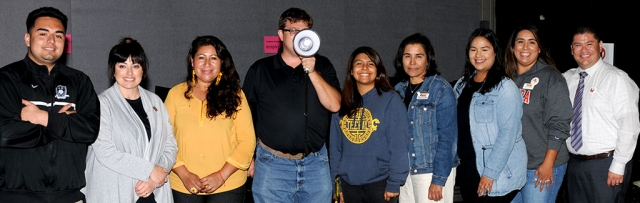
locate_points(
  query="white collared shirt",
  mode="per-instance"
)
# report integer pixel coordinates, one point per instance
(610, 119)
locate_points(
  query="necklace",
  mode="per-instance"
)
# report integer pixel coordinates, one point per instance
(414, 88)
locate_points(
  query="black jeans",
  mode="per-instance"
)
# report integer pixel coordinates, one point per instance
(150, 199)
(470, 194)
(231, 196)
(370, 193)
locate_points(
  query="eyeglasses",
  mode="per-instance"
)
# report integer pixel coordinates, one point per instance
(292, 32)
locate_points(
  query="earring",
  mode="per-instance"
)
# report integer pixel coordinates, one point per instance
(193, 77)
(218, 79)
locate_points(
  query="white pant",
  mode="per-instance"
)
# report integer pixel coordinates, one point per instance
(416, 189)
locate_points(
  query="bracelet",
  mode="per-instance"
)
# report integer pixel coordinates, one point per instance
(223, 180)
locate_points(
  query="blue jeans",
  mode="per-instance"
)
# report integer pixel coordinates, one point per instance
(278, 179)
(530, 193)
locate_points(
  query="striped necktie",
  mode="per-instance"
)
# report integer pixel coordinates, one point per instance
(576, 129)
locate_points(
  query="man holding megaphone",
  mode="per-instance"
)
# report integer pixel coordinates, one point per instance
(292, 95)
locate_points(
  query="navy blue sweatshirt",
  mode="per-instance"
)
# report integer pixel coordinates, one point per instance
(372, 145)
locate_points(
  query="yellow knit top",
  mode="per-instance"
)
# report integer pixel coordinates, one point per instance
(205, 145)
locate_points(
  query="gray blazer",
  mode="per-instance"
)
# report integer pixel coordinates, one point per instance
(122, 154)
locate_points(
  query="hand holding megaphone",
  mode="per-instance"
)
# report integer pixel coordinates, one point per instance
(306, 44)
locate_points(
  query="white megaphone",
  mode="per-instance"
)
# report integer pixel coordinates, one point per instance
(306, 43)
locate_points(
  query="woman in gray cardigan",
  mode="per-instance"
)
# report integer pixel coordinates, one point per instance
(135, 149)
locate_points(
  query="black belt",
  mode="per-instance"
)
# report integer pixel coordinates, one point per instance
(596, 156)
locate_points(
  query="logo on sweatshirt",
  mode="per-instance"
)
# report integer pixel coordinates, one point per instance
(526, 95)
(358, 129)
(61, 92)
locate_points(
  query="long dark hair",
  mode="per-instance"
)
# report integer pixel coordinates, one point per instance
(511, 62)
(496, 73)
(432, 66)
(224, 97)
(351, 98)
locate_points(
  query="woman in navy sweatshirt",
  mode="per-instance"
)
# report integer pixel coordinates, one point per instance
(369, 135)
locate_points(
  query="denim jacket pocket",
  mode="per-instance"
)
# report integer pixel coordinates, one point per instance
(507, 172)
(484, 111)
(424, 111)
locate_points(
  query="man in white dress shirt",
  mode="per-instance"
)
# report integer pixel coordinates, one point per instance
(605, 126)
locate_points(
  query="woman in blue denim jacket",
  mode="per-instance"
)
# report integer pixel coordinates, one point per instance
(490, 107)
(431, 109)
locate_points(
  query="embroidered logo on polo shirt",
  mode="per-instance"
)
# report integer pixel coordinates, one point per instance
(61, 92)
(358, 129)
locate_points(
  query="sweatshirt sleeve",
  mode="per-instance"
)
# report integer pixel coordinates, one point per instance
(398, 139)
(14, 132)
(82, 126)
(335, 147)
(558, 112)
(79, 127)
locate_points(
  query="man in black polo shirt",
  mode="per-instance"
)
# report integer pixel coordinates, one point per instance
(291, 111)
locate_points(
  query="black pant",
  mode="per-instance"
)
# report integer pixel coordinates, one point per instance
(369, 193)
(587, 181)
(150, 199)
(470, 195)
(25, 196)
(231, 196)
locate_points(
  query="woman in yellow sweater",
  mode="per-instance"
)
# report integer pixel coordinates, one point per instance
(213, 127)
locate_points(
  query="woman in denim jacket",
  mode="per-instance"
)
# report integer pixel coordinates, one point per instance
(489, 113)
(431, 109)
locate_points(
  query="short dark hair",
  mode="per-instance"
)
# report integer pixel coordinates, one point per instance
(417, 38)
(127, 47)
(585, 29)
(46, 12)
(294, 15)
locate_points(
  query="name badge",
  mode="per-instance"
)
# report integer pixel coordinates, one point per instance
(421, 95)
(528, 86)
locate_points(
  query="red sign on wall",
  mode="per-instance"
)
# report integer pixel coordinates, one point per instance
(271, 44)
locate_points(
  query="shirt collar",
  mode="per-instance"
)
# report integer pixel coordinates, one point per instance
(591, 70)
(32, 66)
